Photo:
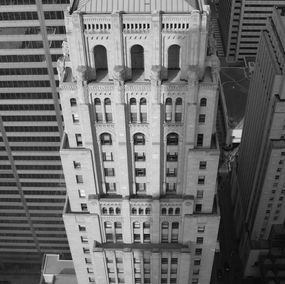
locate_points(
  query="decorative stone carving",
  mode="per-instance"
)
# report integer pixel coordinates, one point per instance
(82, 73)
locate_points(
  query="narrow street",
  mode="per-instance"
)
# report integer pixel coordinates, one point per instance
(227, 258)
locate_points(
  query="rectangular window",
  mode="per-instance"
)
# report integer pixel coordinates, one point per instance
(81, 193)
(195, 281)
(143, 117)
(139, 157)
(197, 261)
(90, 270)
(76, 165)
(202, 118)
(200, 194)
(140, 187)
(134, 118)
(86, 250)
(171, 172)
(91, 280)
(109, 238)
(198, 251)
(99, 117)
(84, 207)
(202, 165)
(198, 207)
(172, 157)
(201, 229)
(178, 116)
(82, 228)
(201, 179)
(78, 139)
(170, 187)
(84, 239)
(110, 187)
(164, 260)
(107, 156)
(75, 118)
(109, 117)
(79, 178)
(199, 240)
(174, 260)
(140, 172)
(196, 271)
(109, 172)
(200, 138)
(88, 260)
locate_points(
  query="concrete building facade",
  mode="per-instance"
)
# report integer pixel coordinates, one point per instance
(259, 178)
(242, 23)
(32, 187)
(139, 98)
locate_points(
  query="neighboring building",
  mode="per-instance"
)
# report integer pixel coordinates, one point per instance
(32, 187)
(140, 156)
(259, 178)
(241, 23)
(57, 271)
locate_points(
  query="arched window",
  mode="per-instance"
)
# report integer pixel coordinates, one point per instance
(107, 102)
(98, 110)
(73, 102)
(106, 139)
(133, 113)
(104, 211)
(136, 225)
(140, 211)
(108, 110)
(108, 225)
(203, 102)
(147, 211)
(164, 232)
(163, 211)
(172, 139)
(178, 110)
(177, 211)
(139, 139)
(111, 211)
(174, 57)
(134, 211)
(143, 101)
(133, 102)
(100, 56)
(170, 211)
(174, 232)
(168, 109)
(97, 102)
(143, 110)
(137, 57)
(118, 211)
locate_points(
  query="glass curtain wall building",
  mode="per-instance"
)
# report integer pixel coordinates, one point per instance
(32, 187)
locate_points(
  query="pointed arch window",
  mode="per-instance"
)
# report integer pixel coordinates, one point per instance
(139, 139)
(172, 139)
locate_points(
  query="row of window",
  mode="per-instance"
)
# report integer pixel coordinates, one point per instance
(25, 84)
(28, 58)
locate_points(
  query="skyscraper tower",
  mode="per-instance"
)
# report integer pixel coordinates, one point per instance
(241, 23)
(259, 179)
(139, 99)
(32, 188)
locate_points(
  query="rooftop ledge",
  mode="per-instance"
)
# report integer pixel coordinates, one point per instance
(130, 247)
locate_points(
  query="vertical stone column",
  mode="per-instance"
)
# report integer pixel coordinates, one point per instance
(203, 44)
(127, 228)
(156, 38)
(128, 266)
(189, 122)
(121, 131)
(100, 268)
(184, 268)
(77, 46)
(155, 131)
(155, 221)
(156, 265)
(117, 36)
(88, 137)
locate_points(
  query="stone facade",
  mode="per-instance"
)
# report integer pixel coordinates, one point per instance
(140, 157)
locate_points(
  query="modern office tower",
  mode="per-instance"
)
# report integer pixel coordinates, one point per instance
(241, 23)
(32, 187)
(259, 180)
(139, 99)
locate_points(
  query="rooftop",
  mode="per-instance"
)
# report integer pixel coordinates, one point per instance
(136, 6)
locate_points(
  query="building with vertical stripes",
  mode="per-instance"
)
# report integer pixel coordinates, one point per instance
(138, 87)
(241, 23)
(259, 178)
(32, 187)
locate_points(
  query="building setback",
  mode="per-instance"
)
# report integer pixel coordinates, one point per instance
(140, 157)
(32, 187)
(259, 178)
(241, 23)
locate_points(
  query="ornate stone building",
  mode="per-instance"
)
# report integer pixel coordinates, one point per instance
(139, 99)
